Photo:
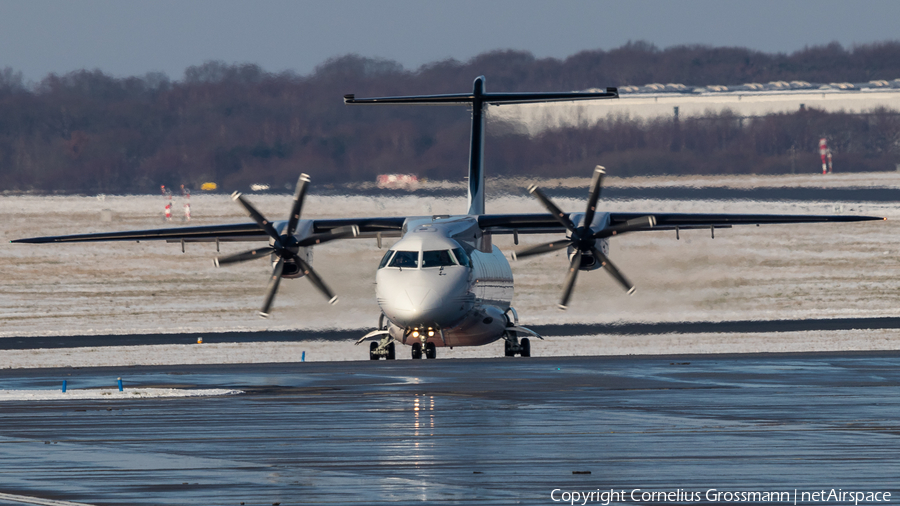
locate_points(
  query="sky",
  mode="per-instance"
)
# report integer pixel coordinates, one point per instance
(127, 38)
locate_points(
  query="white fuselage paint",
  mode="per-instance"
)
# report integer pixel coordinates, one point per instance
(444, 275)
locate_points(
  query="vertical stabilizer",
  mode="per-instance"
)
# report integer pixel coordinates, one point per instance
(476, 150)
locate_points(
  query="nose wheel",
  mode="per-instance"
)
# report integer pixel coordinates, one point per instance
(429, 349)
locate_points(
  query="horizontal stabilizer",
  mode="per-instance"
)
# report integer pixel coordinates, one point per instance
(486, 98)
(477, 100)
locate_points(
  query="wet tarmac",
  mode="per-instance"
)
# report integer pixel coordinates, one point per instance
(488, 431)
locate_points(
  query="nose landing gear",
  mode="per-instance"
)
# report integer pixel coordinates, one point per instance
(429, 348)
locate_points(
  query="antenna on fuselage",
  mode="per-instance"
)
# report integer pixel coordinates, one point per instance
(478, 99)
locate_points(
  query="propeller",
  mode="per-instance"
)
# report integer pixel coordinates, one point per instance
(583, 239)
(284, 246)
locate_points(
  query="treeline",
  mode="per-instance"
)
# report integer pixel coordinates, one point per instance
(237, 124)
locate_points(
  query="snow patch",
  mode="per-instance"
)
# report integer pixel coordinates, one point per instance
(110, 394)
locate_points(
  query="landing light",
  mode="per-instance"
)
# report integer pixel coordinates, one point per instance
(430, 333)
(415, 333)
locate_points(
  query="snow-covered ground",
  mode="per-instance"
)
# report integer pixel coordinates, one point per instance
(110, 394)
(745, 273)
(560, 346)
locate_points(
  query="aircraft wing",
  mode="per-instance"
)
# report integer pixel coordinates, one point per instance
(541, 223)
(545, 223)
(670, 221)
(368, 227)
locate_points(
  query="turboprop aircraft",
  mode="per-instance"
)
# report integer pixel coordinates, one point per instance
(444, 283)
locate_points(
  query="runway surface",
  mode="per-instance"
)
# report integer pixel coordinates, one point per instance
(481, 431)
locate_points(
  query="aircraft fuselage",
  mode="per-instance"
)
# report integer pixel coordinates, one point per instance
(444, 282)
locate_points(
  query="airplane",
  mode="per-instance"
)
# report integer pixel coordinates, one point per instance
(443, 283)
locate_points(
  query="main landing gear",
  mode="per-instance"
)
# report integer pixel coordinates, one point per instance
(513, 346)
(430, 350)
(382, 349)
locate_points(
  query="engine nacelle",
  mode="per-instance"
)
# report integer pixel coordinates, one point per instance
(588, 261)
(292, 270)
(601, 221)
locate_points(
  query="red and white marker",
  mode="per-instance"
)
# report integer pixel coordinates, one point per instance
(825, 153)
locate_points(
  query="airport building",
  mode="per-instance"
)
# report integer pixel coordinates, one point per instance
(676, 100)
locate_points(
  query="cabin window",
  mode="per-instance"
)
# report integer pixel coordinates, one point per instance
(408, 259)
(386, 259)
(461, 257)
(437, 258)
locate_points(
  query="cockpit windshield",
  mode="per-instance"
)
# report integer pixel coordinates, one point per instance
(433, 258)
(462, 257)
(438, 258)
(386, 258)
(408, 259)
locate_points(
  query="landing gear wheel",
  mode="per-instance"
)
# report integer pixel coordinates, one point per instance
(507, 349)
(430, 350)
(526, 347)
(416, 351)
(391, 355)
(372, 347)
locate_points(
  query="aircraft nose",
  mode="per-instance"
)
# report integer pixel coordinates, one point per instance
(413, 298)
(423, 299)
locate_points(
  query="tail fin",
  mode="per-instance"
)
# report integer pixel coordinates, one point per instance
(478, 99)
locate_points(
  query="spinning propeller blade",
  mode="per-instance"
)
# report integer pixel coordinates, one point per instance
(257, 217)
(336, 233)
(571, 277)
(555, 211)
(596, 185)
(316, 280)
(243, 257)
(299, 195)
(613, 271)
(272, 289)
(543, 248)
(642, 223)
